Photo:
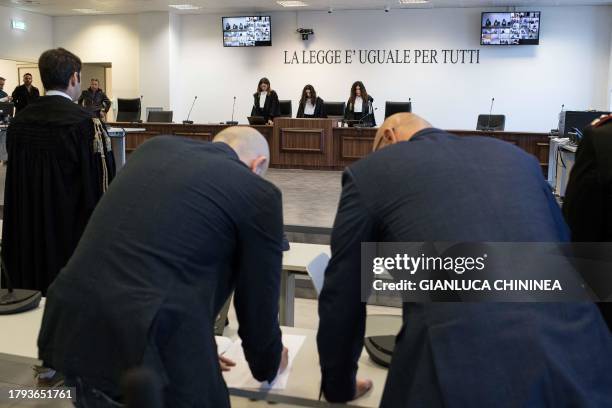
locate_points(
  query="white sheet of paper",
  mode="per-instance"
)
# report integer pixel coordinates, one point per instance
(240, 375)
(223, 344)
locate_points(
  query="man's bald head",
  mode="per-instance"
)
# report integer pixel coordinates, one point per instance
(250, 146)
(399, 128)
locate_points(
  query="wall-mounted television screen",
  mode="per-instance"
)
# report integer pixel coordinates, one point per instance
(516, 28)
(250, 31)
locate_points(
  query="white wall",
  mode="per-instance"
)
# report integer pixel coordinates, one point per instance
(113, 39)
(24, 45)
(154, 37)
(8, 71)
(529, 83)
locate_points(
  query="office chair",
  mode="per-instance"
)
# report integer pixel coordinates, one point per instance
(128, 110)
(285, 109)
(391, 108)
(334, 110)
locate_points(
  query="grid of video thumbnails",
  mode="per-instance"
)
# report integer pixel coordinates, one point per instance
(246, 31)
(518, 28)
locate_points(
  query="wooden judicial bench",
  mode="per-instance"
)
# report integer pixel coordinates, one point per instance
(318, 143)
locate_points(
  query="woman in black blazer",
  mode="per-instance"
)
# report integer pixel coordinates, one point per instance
(359, 106)
(311, 106)
(265, 102)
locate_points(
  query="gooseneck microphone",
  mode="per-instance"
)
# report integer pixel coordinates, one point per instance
(490, 112)
(232, 122)
(187, 121)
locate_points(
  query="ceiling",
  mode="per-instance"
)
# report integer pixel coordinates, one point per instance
(66, 7)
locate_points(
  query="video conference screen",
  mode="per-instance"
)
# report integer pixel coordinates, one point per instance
(251, 31)
(517, 28)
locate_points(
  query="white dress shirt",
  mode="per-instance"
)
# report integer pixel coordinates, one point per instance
(59, 93)
(309, 108)
(358, 108)
(262, 99)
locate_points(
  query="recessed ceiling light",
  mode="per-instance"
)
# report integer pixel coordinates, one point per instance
(26, 2)
(184, 6)
(292, 3)
(86, 11)
(413, 1)
(18, 25)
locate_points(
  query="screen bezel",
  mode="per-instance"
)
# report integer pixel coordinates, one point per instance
(509, 12)
(268, 43)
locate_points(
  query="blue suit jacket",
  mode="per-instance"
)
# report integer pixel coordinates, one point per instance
(440, 187)
(182, 225)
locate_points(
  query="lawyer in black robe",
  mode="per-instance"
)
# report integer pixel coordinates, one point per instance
(588, 198)
(59, 164)
(365, 116)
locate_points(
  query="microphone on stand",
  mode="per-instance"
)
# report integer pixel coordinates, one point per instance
(232, 122)
(410, 104)
(490, 111)
(187, 121)
(16, 300)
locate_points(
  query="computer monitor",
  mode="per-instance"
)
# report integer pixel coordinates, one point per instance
(285, 109)
(489, 123)
(256, 120)
(6, 109)
(334, 109)
(128, 110)
(391, 108)
(160, 116)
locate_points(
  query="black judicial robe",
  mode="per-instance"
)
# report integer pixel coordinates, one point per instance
(271, 107)
(366, 115)
(319, 111)
(501, 355)
(588, 198)
(184, 224)
(57, 170)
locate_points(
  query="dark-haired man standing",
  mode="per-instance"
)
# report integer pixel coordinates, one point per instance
(59, 164)
(24, 94)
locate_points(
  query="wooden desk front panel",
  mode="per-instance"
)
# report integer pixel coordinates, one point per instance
(316, 144)
(302, 143)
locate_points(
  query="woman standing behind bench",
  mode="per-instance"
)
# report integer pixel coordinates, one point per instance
(265, 102)
(359, 106)
(311, 106)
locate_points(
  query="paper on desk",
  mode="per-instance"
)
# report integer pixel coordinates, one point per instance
(223, 344)
(240, 375)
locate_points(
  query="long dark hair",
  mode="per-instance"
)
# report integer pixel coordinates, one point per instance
(313, 95)
(364, 93)
(266, 81)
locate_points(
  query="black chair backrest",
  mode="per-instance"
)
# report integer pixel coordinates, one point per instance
(491, 122)
(285, 108)
(128, 110)
(334, 109)
(392, 108)
(160, 116)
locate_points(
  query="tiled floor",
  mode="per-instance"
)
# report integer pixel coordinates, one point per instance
(309, 197)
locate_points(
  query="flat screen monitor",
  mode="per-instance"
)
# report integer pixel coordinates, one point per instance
(248, 31)
(510, 28)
